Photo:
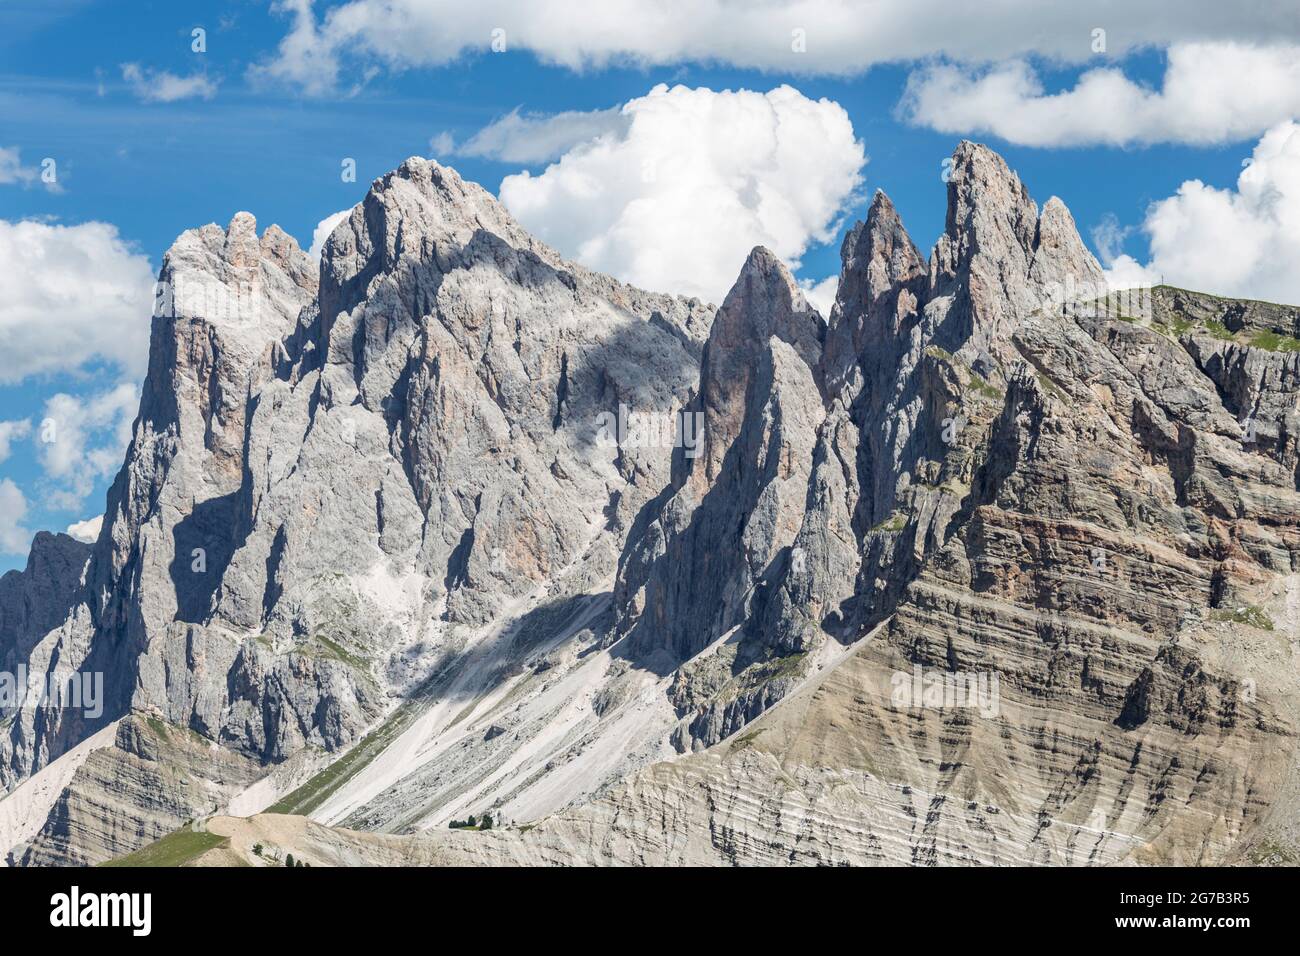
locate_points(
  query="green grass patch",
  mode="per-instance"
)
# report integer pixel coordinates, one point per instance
(1272, 853)
(1250, 615)
(789, 666)
(175, 849)
(338, 652)
(746, 739)
(985, 388)
(894, 523)
(1273, 342)
(1218, 330)
(1051, 387)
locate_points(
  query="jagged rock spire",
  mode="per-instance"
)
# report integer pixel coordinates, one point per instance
(986, 272)
(881, 277)
(696, 566)
(764, 303)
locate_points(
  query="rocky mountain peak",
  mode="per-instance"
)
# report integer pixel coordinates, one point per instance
(989, 228)
(1062, 260)
(884, 243)
(881, 276)
(764, 304)
(242, 248)
(986, 271)
(418, 211)
(250, 288)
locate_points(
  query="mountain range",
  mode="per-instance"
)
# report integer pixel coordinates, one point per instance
(992, 565)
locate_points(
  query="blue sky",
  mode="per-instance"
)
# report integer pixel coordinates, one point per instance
(273, 145)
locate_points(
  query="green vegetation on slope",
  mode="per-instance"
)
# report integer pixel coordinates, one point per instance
(896, 522)
(1267, 339)
(1272, 853)
(335, 650)
(175, 849)
(320, 787)
(1165, 287)
(1274, 342)
(1251, 616)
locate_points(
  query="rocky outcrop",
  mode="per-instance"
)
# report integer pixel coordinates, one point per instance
(916, 360)
(1173, 307)
(100, 814)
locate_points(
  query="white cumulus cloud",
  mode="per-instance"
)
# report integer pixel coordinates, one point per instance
(81, 440)
(821, 295)
(72, 295)
(1243, 241)
(1211, 93)
(790, 36)
(14, 538)
(86, 531)
(695, 179)
(323, 230)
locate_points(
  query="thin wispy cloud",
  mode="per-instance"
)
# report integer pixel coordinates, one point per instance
(163, 86)
(535, 138)
(15, 538)
(11, 432)
(14, 172)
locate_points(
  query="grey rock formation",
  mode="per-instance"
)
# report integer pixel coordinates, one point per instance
(1082, 565)
(701, 556)
(916, 360)
(329, 492)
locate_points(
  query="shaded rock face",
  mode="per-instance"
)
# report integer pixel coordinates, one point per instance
(224, 297)
(961, 574)
(706, 548)
(917, 358)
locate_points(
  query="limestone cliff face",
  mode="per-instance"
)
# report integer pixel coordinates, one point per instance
(1064, 513)
(979, 568)
(917, 358)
